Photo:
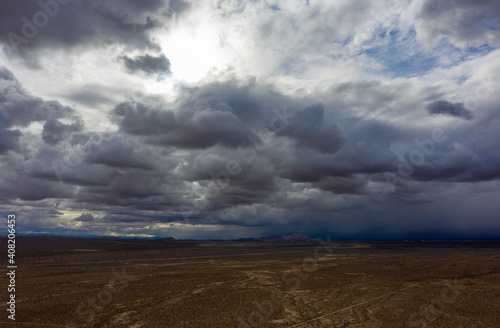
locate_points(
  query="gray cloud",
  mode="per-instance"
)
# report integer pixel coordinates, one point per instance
(54, 131)
(305, 146)
(216, 113)
(158, 67)
(91, 95)
(312, 166)
(144, 165)
(77, 23)
(447, 108)
(67, 165)
(85, 217)
(464, 22)
(9, 140)
(28, 188)
(341, 185)
(119, 152)
(140, 119)
(20, 109)
(309, 129)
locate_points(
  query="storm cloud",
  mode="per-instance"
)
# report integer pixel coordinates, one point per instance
(241, 119)
(447, 108)
(18, 108)
(85, 217)
(158, 67)
(33, 26)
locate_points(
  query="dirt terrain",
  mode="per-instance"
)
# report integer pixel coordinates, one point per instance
(77, 282)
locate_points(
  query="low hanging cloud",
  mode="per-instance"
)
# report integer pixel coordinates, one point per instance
(118, 151)
(309, 129)
(201, 129)
(85, 217)
(220, 113)
(450, 109)
(347, 185)
(157, 67)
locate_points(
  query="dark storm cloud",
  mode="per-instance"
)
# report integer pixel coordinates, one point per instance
(9, 140)
(309, 148)
(68, 167)
(221, 118)
(171, 160)
(206, 128)
(340, 185)
(20, 109)
(85, 217)
(33, 189)
(454, 165)
(226, 113)
(135, 189)
(214, 160)
(239, 153)
(190, 129)
(252, 103)
(81, 175)
(158, 67)
(447, 108)
(361, 158)
(140, 119)
(218, 123)
(119, 152)
(137, 184)
(27, 26)
(309, 129)
(253, 183)
(476, 160)
(54, 131)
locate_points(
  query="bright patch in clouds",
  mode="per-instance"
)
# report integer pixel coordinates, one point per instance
(196, 51)
(193, 54)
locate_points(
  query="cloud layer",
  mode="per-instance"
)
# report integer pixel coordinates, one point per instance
(355, 120)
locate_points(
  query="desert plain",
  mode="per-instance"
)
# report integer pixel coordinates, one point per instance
(83, 282)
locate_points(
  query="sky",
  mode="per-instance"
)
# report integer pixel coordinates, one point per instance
(233, 119)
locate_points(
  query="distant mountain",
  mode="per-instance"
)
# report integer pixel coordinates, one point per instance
(297, 237)
(289, 237)
(137, 238)
(111, 237)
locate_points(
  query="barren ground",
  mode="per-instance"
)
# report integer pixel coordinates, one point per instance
(76, 282)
